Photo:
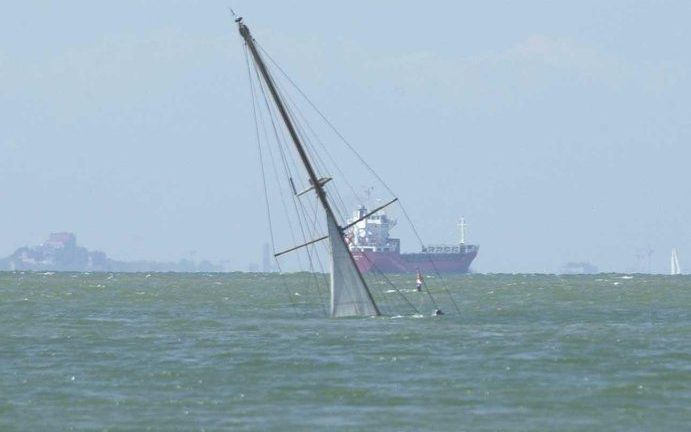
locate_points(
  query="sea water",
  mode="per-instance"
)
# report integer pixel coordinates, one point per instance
(255, 352)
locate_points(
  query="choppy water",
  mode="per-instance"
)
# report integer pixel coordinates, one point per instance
(210, 352)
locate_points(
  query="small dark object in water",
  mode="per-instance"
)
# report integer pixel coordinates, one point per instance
(438, 312)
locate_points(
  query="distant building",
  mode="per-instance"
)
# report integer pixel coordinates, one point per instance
(60, 252)
(61, 240)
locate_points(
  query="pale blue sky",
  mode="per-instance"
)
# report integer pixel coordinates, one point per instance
(560, 131)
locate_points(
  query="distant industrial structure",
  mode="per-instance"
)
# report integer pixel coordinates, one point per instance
(267, 265)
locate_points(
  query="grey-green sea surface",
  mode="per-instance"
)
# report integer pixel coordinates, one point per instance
(232, 352)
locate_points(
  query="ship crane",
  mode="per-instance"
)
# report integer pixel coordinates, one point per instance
(462, 226)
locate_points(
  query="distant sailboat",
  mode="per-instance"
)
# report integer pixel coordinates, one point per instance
(674, 268)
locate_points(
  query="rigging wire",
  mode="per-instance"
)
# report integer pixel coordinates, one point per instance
(388, 281)
(331, 126)
(312, 225)
(287, 173)
(340, 202)
(369, 168)
(287, 156)
(290, 104)
(265, 189)
(314, 156)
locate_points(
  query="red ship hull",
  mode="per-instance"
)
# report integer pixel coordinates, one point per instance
(393, 262)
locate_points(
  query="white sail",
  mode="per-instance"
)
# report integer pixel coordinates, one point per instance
(674, 263)
(349, 295)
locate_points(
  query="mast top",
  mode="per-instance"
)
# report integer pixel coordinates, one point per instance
(238, 19)
(242, 28)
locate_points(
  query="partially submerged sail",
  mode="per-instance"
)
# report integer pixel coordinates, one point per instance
(350, 295)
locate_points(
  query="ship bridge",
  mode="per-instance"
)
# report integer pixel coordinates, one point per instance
(371, 233)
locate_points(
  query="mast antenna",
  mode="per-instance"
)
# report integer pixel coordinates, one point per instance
(235, 16)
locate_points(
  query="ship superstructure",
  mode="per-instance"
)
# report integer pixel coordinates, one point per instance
(371, 234)
(374, 249)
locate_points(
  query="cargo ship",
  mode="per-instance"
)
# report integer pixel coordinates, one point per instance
(375, 250)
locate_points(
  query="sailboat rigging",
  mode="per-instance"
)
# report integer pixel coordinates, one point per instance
(350, 295)
(350, 292)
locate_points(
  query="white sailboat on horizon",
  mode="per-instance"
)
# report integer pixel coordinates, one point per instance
(674, 268)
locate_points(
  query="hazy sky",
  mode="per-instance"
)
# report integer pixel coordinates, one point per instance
(560, 130)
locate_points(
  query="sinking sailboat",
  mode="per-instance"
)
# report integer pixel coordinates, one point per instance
(674, 268)
(320, 221)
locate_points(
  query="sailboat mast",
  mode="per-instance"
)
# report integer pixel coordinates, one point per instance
(245, 32)
(318, 187)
